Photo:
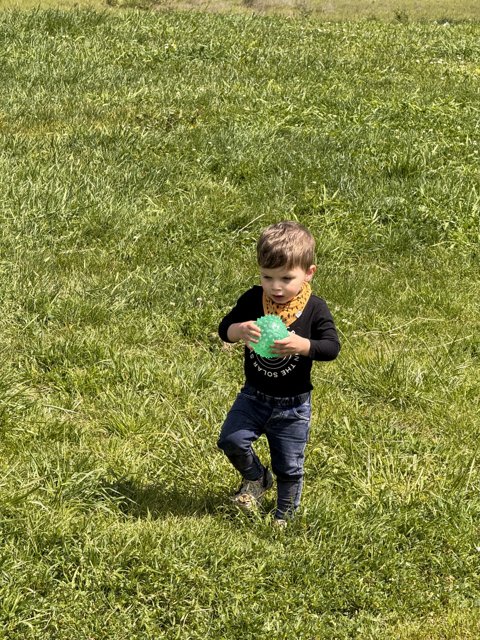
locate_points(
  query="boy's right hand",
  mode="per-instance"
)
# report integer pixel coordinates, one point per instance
(246, 331)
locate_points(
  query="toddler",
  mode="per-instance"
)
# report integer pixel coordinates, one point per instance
(275, 399)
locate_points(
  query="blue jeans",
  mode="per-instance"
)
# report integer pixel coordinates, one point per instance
(286, 424)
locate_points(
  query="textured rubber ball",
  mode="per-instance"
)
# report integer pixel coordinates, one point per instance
(272, 328)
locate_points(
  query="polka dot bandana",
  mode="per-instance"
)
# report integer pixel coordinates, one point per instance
(290, 311)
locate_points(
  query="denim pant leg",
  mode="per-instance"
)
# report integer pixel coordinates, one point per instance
(287, 432)
(243, 425)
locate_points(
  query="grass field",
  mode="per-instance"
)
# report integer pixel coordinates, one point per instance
(326, 10)
(141, 154)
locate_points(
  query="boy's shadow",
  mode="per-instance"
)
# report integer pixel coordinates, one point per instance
(157, 501)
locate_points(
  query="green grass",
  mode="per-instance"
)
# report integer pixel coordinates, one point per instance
(141, 154)
(328, 10)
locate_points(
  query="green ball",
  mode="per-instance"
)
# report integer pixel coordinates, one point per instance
(272, 328)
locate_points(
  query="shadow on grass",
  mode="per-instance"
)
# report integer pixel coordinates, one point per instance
(157, 501)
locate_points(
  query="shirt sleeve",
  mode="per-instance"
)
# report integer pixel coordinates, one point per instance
(244, 309)
(324, 340)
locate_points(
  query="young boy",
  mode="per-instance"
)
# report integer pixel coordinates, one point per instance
(275, 399)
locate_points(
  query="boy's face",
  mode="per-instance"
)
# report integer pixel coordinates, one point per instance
(281, 284)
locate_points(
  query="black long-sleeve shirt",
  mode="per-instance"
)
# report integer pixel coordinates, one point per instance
(286, 376)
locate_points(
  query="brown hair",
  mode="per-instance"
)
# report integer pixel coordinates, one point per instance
(286, 244)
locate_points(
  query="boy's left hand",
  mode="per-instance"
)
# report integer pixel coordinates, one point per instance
(291, 345)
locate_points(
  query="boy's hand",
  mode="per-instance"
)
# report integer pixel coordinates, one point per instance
(291, 345)
(246, 331)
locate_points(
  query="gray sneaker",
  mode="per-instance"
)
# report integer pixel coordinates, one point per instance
(251, 492)
(280, 523)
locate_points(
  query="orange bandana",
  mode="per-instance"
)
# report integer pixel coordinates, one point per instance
(290, 311)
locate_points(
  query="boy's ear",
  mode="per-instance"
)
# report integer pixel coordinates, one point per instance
(310, 272)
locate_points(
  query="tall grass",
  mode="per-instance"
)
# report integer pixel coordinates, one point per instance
(140, 156)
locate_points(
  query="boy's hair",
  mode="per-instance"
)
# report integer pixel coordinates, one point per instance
(286, 244)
